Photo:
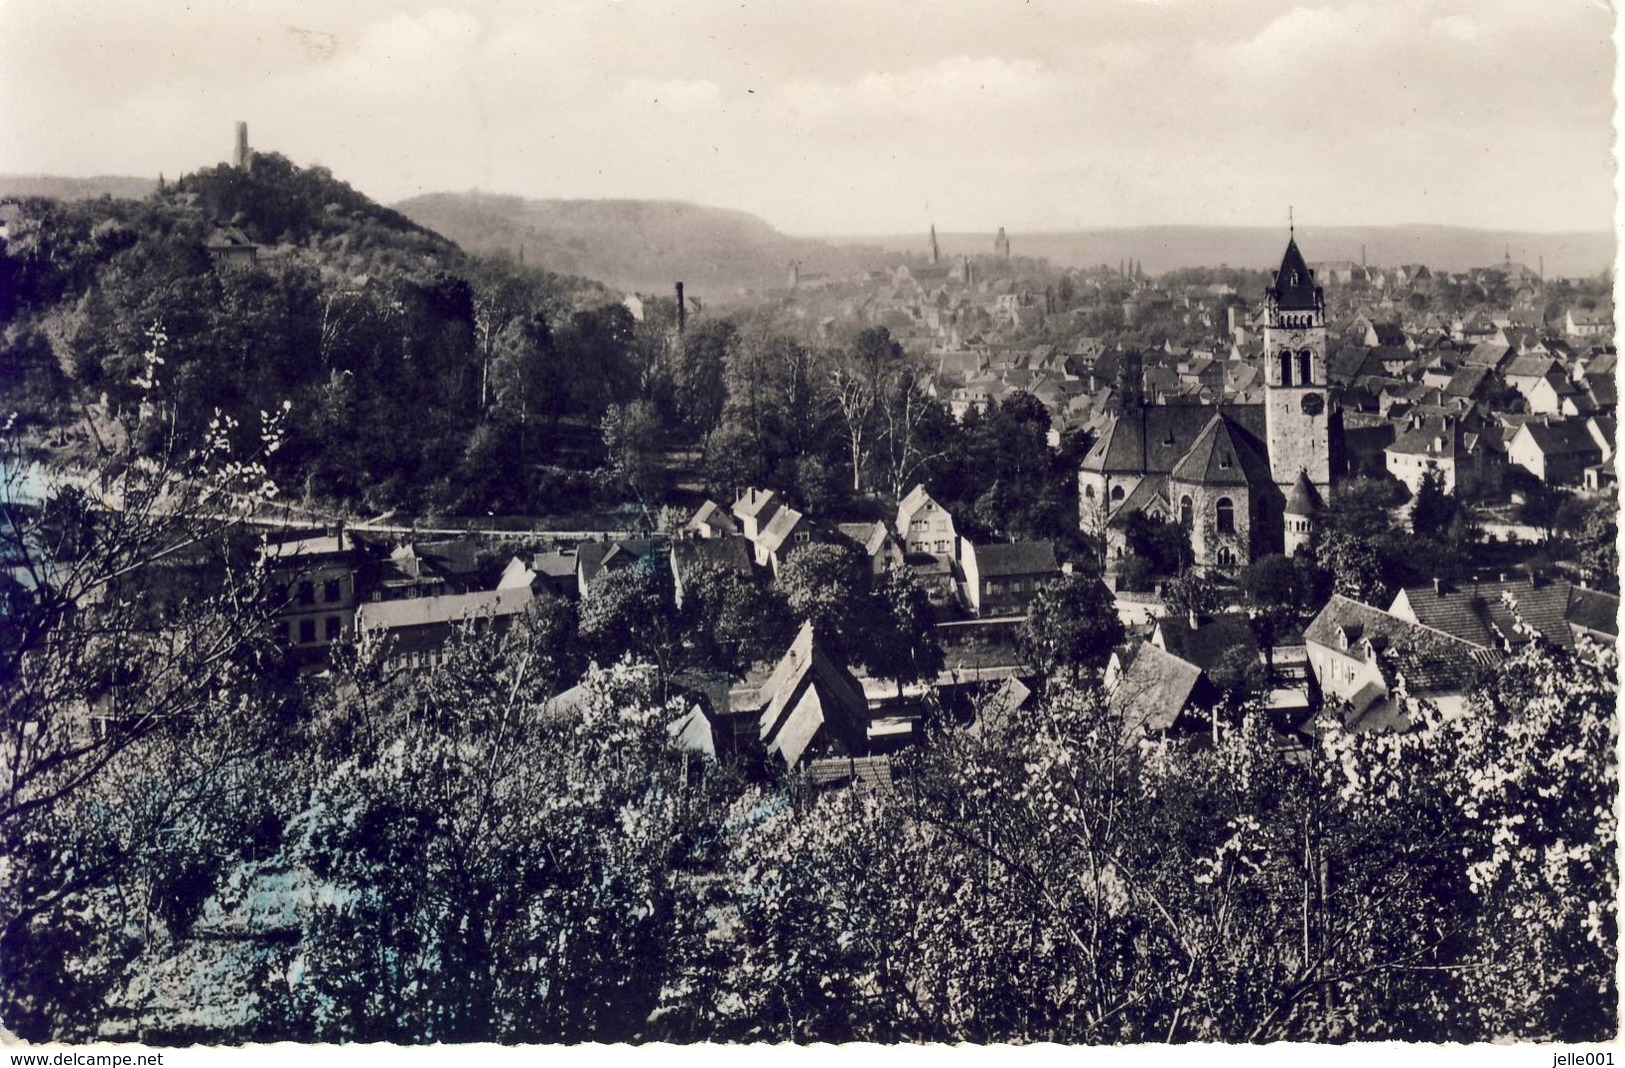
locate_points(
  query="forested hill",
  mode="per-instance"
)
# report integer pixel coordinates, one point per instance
(641, 245)
(363, 321)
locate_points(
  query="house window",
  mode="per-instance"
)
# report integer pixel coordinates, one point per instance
(1117, 493)
(307, 631)
(1186, 511)
(1225, 513)
(331, 628)
(1226, 557)
(293, 633)
(331, 590)
(802, 537)
(307, 593)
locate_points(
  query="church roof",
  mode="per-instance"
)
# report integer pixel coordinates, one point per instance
(1221, 457)
(1304, 500)
(1153, 438)
(1294, 288)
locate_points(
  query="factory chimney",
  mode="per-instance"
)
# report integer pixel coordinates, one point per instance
(682, 310)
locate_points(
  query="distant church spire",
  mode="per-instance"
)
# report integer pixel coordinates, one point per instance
(935, 253)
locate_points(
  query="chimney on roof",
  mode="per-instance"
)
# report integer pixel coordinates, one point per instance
(682, 310)
(1438, 587)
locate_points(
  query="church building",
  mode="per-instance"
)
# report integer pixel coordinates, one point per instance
(1244, 479)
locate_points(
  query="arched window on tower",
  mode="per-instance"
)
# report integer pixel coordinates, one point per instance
(1186, 511)
(1286, 368)
(1305, 367)
(1225, 514)
(1088, 492)
(1117, 493)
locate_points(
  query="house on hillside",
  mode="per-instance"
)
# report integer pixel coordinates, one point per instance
(230, 249)
(784, 533)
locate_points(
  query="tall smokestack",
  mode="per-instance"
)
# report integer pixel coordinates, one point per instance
(682, 310)
(239, 156)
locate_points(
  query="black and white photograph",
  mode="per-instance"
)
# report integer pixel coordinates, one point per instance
(965, 526)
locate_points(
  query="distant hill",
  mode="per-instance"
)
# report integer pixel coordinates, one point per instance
(1166, 248)
(119, 186)
(634, 245)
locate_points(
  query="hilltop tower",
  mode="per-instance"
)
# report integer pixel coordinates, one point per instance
(1001, 245)
(936, 254)
(1296, 416)
(682, 310)
(242, 155)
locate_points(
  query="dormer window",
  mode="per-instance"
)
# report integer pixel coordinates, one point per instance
(1293, 278)
(1224, 462)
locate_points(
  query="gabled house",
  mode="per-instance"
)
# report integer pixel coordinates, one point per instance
(1155, 693)
(787, 531)
(754, 509)
(1002, 578)
(594, 558)
(1556, 453)
(1486, 614)
(551, 573)
(230, 249)
(689, 555)
(1588, 322)
(1467, 461)
(880, 548)
(314, 583)
(710, 521)
(418, 628)
(924, 525)
(814, 707)
(1367, 659)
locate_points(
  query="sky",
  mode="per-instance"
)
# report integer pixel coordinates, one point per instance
(855, 116)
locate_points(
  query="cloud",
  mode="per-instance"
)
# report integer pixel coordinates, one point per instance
(943, 89)
(1457, 27)
(673, 94)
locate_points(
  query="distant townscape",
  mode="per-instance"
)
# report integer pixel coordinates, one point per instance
(404, 642)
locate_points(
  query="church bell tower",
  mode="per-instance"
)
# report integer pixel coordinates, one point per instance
(1296, 419)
